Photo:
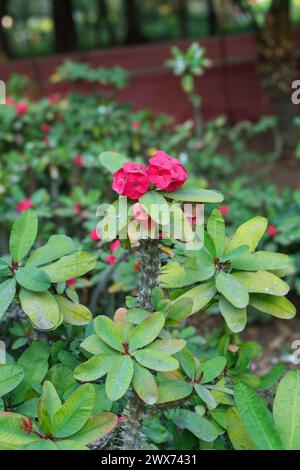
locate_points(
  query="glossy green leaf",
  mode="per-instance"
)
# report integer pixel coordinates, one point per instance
(237, 431)
(109, 332)
(96, 428)
(232, 290)
(249, 233)
(71, 266)
(33, 279)
(195, 195)
(211, 369)
(168, 346)
(271, 377)
(286, 410)
(144, 384)
(155, 360)
(12, 437)
(112, 161)
(279, 307)
(234, 254)
(41, 308)
(95, 368)
(23, 235)
(152, 203)
(75, 412)
(201, 295)
(119, 378)
(196, 424)
(261, 261)
(216, 229)
(205, 395)
(56, 247)
(74, 314)
(51, 399)
(235, 318)
(256, 418)
(173, 390)
(94, 345)
(10, 377)
(7, 294)
(187, 362)
(262, 282)
(146, 331)
(180, 309)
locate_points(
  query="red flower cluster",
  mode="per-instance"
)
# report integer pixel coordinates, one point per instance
(24, 205)
(165, 172)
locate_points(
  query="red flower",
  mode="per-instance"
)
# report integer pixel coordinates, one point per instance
(224, 210)
(272, 230)
(45, 128)
(10, 101)
(21, 108)
(77, 208)
(137, 266)
(72, 282)
(114, 246)
(135, 124)
(111, 259)
(131, 180)
(94, 236)
(139, 213)
(166, 172)
(53, 99)
(78, 161)
(24, 205)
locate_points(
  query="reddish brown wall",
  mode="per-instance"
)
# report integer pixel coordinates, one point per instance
(231, 86)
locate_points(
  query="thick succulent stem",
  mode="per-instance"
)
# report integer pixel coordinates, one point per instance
(149, 270)
(131, 432)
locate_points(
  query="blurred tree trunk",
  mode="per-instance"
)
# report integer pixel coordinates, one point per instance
(134, 33)
(4, 41)
(182, 15)
(103, 16)
(277, 68)
(212, 18)
(65, 33)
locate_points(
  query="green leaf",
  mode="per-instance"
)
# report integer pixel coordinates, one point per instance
(75, 412)
(168, 346)
(173, 390)
(261, 261)
(96, 428)
(146, 331)
(194, 270)
(109, 332)
(262, 282)
(119, 378)
(195, 195)
(112, 161)
(41, 308)
(271, 377)
(7, 294)
(12, 437)
(57, 247)
(249, 233)
(51, 399)
(155, 360)
(74, 314)
(33, 279)
(235, 253)
(237, 432)
(286, 410)
(256, 418)
(235, 318)
(196, 424)
(71, 266)
(152, 202)
(187, 362)
(23, 235)
(216, 229)
(278, 307)
(205, 395)
(94, 345)
(180, 309)
(95, 368)
(201, 295)
(232, 290)
(144, 384)
(211, 369)
(10, 377)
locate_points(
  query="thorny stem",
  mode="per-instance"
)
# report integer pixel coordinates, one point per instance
(131, 429)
